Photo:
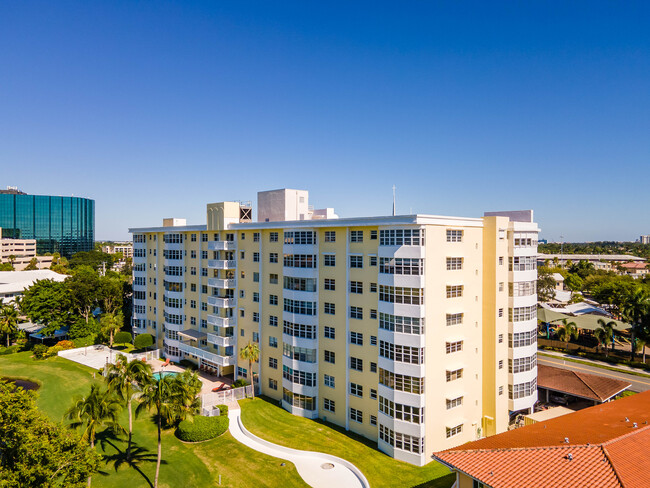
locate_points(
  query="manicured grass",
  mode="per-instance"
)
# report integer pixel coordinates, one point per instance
(184, 465)
(264, 418)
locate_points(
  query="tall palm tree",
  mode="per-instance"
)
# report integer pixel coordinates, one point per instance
(8, 321)
(171, 399)
(635, 308)
(98, 409)
(567, 331)
(250, 353)
(607, 334)
(126, 379)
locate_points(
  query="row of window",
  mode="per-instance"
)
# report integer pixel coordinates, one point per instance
(520, 365)
(522, 390)
(401, 324)
(398, 411)
(519, 314)
(402, 354)
(399, 294)
(401, 441)
(299, 377)
(521, 339)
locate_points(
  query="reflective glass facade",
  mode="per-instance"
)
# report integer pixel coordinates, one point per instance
(59, 224)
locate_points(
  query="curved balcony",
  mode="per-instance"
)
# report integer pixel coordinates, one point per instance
(413, 340)
(407, 281)
(405, 310)
(222, 341)
(300, 272)
(213, 358)
(311, 391)
(397, 367)
(222, 321)
(222, 264)
(396, 425)
(300, 341)
(222, 245)
(299, 365)
(523, 403)
(300, 412)
(402, 397)
(401, 251)
(173, 246)
(222, 302)
(222, 284)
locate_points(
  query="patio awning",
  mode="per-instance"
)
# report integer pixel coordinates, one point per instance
(57, 334)
(193, 334)
(547, 316)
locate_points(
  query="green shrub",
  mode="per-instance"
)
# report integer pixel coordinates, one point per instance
(239, 382)
(40, 351)
(188, 364)
(223, 410)
(10, 350)
(123, 338)
(142, 341)
(85, 341)
(202, 428)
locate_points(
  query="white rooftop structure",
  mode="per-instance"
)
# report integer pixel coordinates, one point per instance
(13, 283)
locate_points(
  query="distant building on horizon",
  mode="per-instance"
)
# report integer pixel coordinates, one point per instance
(644, 239)
(58, 224)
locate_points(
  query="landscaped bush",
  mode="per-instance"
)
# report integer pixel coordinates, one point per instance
(123, 338)
(63, 345)
(202, 428)
(239, 382)
(85, 341)
(223, 410)
(9, 350)
(40, 351)
(188, 364)
(142, 341)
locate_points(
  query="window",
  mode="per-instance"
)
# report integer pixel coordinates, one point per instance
(299, 377)
(386, 435)
(401, 237)
(273, 384)
(522, 263)
(192, 303)
(500, 338)
(454, 264)
(402, 354)
(522, 390)
(521, 339)
(373, 367)
(329, 260)
(273, 320)
(356, 261)
(273, 279)
(454, 347)
(454, 402)
(500, 285)
(273, 299)
(373, 313)
(330, 236)
(373, 260)
(454, 235)
(356, 287)
(454, 291)
(356, 364)
(204, 306)
(300, 307)
(256, 336)
(299, 284)
(204, 237)
(256, 257)
(329, 308)
(356, 313)
(193, 271)
(519, 314)
(273, 363)
(329, 405)
(500, 363)
(454, 318)
(356, 390)
(297, 400)
(300, 260)
(242, 236)
(241, 372)
(273, 237)
(356, 338)
(204, 288)
(520, 365)
(399, 294)
(455, 374)
(242, 254)
(330, 332)
(299, 353)
(356, 236)
(273, 341)
(373, 420)
(256, 237)
(300, 330)
(373, 235)
(398, 411)
(404, 325)
(242, 293)
(328, 380)
(500, 312)
(330, 357)
(330, 284)
(256, 296)
(452, 431)
(522, 288)
(192, 320)
(193, 254)
(400, 382)
(204, 324)
(242, 312)
(356, 415)
(300, 237)
(401, 266)
(501, 390)
(500, 260)
(273, 257)
(204, 271)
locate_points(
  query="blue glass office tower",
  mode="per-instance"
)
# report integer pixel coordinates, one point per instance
(59, 224)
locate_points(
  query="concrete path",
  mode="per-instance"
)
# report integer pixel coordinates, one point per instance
(317, 469)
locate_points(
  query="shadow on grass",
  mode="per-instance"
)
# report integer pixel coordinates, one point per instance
(444, 482)
(139, 454)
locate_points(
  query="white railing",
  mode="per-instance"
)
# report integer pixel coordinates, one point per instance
(146, 356)
(209, 400)
(222, 245)
(224, 284)
(222, 302)
(222, 264)
(222, 321)
(221, 340)
(213, 358)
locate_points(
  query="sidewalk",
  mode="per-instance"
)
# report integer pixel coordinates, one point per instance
(599, 364)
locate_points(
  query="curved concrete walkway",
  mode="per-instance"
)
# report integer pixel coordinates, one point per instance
(308, 463)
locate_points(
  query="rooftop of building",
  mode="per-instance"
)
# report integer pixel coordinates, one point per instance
(634, 265)
(607, 445)
(14, 281)
(584, 385)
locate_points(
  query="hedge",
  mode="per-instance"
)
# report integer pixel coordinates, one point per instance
(202, 428)
(223, 410)
(122, 338)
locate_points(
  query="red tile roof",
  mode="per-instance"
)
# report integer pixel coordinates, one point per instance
(606, 448)
(634, 265)
(585, 385)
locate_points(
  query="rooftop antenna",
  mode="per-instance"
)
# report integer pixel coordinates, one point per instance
(393, 200)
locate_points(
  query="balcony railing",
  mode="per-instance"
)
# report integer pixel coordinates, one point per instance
(222, 341)
(222, 245)
(222, 302)
(222, 284)
(222, 264)
(213, 358)
(222, 321)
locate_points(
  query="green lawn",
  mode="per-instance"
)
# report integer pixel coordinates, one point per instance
(185, 465)
(264, 418)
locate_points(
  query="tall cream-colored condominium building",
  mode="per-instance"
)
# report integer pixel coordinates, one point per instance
(415, 331)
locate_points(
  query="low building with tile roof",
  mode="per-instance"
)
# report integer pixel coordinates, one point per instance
(583, 386)
(607, 445)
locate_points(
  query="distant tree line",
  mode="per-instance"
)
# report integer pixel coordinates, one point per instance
(600, 247)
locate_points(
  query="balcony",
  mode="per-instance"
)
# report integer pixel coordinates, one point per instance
(222, 245)
(222, 341)
(222, 264)
(222, 302)
(213, 358)
(222, 284)
(222, 321)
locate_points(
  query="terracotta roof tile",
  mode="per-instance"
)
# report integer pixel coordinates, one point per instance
(585, 385)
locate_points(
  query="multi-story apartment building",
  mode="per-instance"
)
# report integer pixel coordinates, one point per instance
(416, 331)
(20, 252)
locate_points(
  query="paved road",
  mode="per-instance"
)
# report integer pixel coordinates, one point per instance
(639, 383)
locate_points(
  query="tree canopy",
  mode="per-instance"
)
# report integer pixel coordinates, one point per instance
(49, 302)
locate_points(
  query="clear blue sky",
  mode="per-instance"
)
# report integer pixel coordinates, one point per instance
(155, 108)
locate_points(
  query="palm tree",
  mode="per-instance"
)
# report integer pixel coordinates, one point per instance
(635, 307)
(566, 332)
(250, 353)
(607, 335)
(8, 321)
(171, 399)
(126, 379)
(111, 323)
(99, 409)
